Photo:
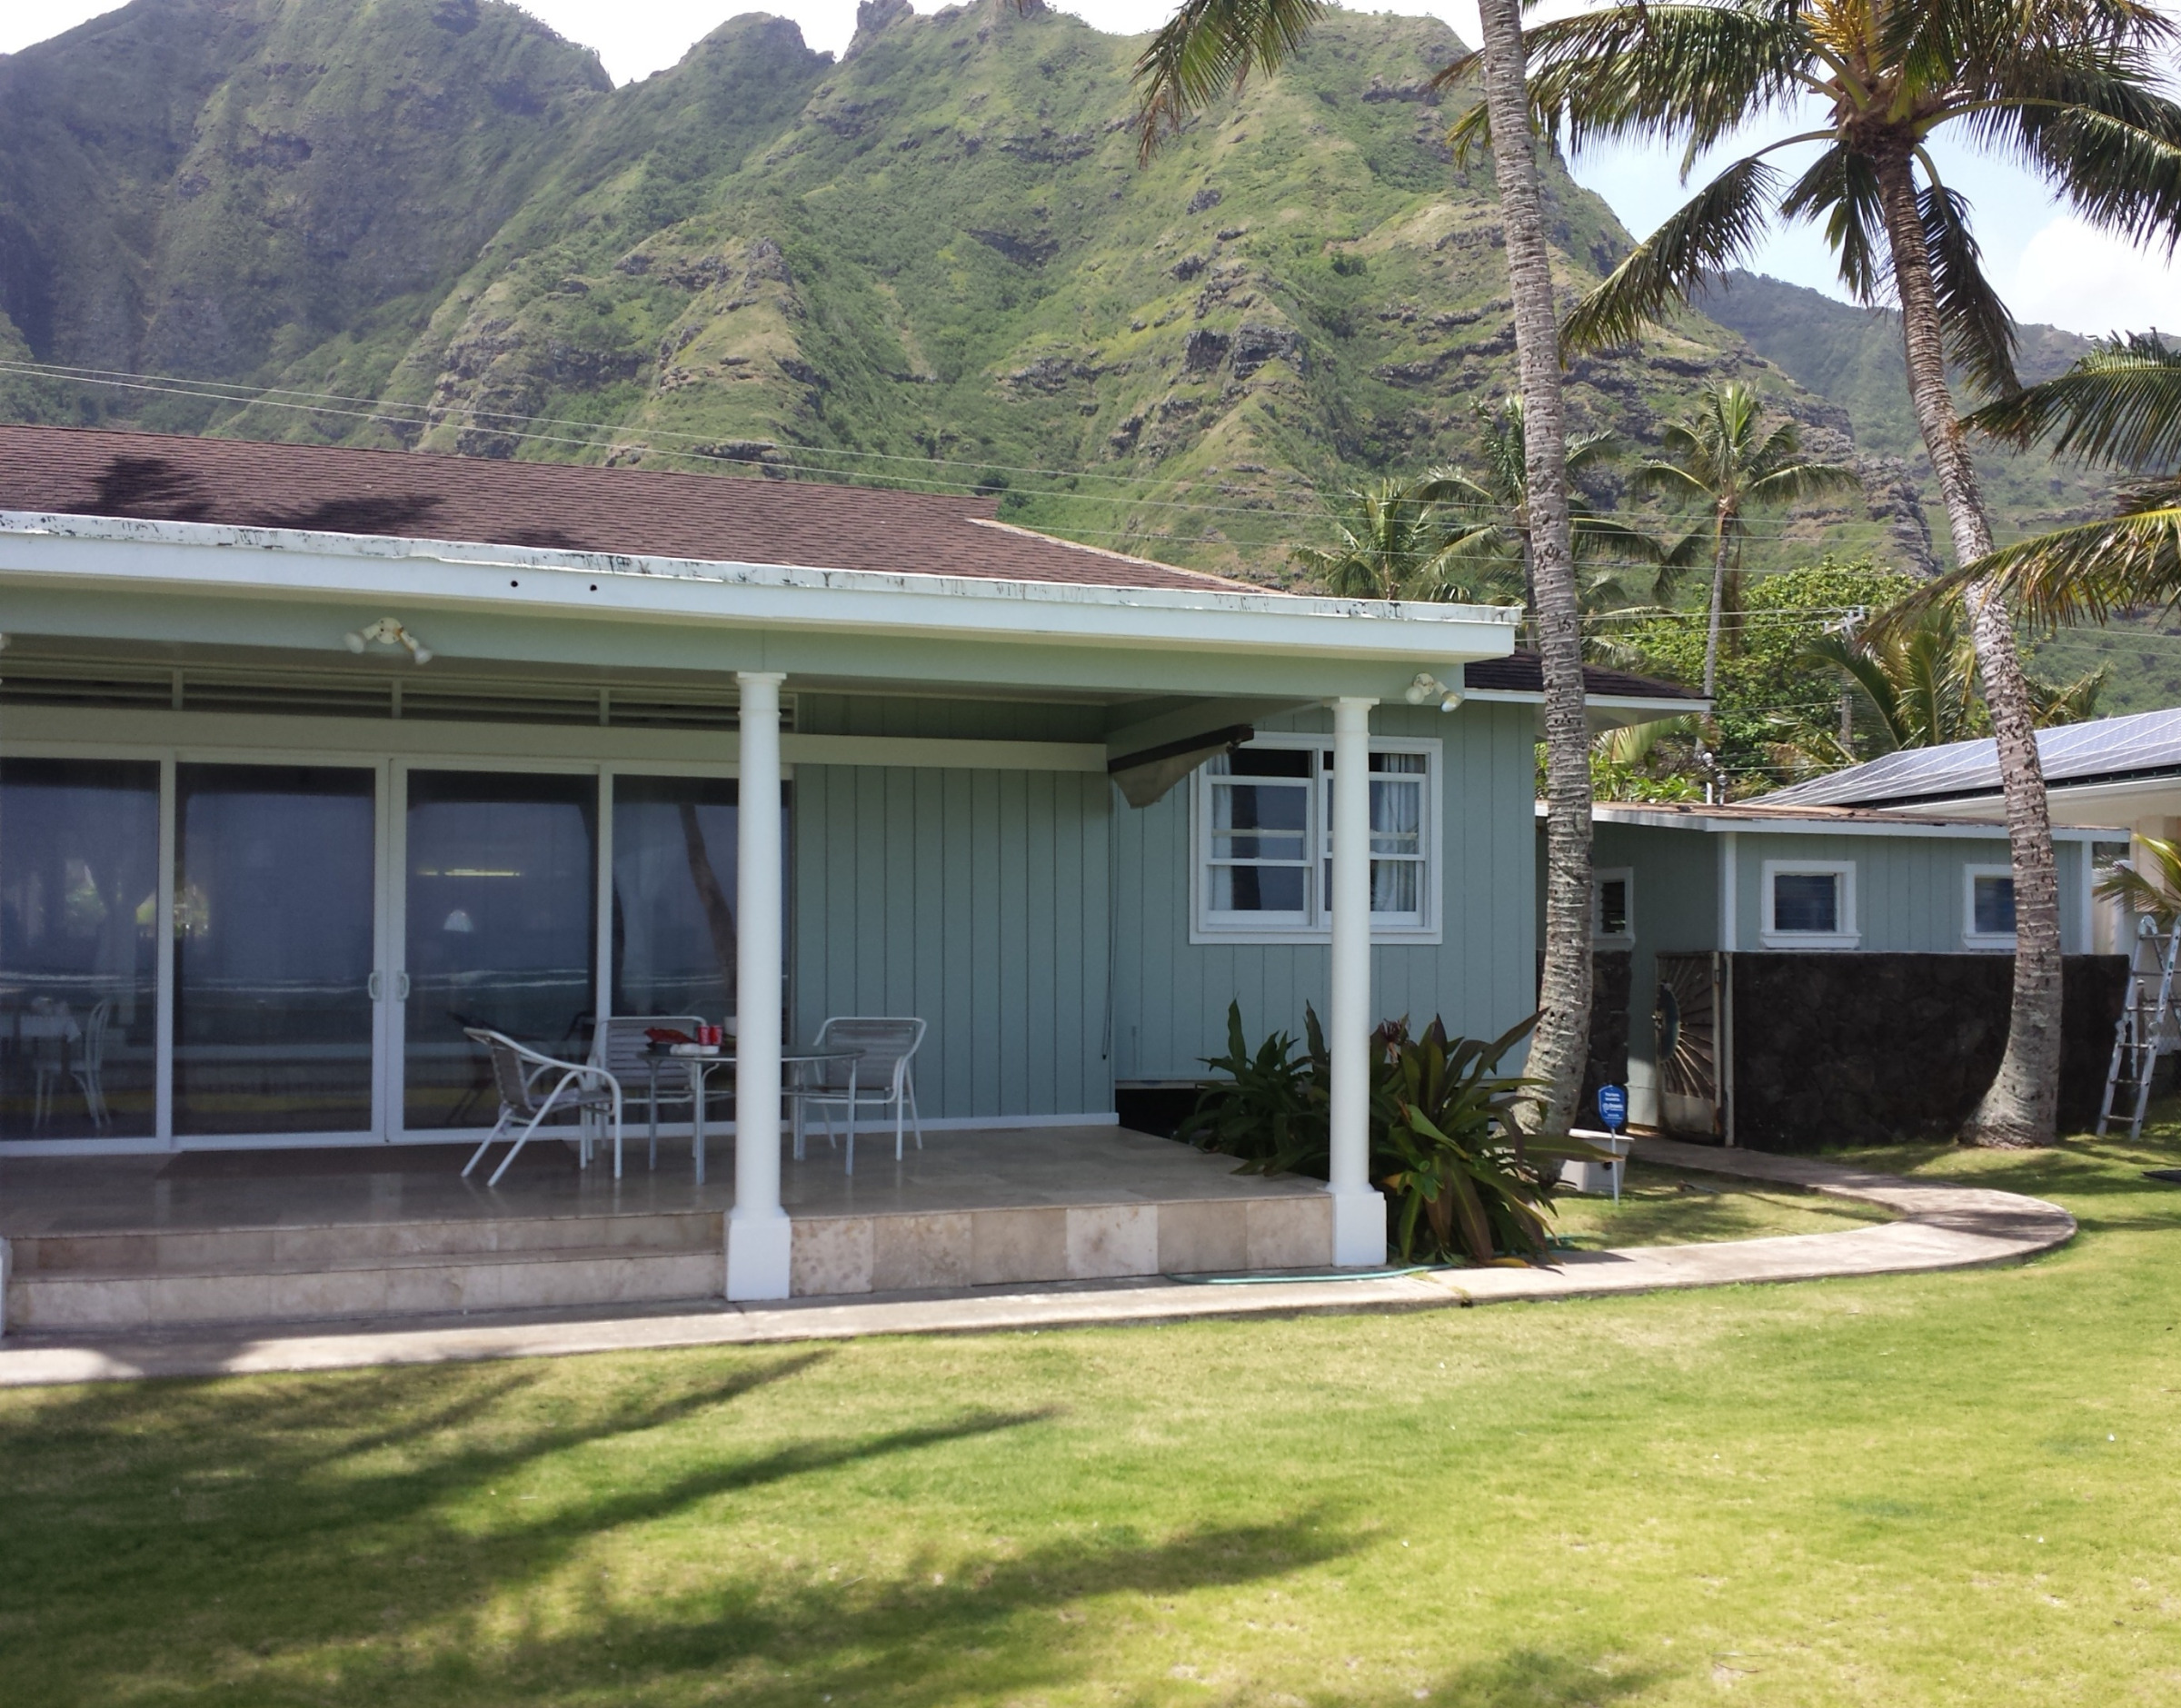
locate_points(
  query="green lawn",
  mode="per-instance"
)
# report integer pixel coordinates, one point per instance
(1674, 1206)
(1953, 1488)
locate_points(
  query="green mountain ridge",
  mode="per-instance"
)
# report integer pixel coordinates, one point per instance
(436, 224)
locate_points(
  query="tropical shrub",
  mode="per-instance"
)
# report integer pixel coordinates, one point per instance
(1462, 1181)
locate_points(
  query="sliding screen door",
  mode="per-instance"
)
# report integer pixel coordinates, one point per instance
(79, 890)
(500, 930)
(273, 886)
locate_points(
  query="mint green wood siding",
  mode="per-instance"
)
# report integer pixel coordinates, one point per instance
(974, 900)
(1171, 995)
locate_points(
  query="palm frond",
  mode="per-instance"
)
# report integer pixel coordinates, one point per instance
(2155, 892)
(1718, 226)
(1981, 334)
(2086, 572)
(1841, 185)
(2120, 404)
(1693, 72)
(1798, 481)
(2112, 146)
(1209, 48)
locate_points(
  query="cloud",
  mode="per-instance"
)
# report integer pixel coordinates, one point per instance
(2074, 275)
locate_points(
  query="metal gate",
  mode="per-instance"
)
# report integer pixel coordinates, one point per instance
(1689, 1031)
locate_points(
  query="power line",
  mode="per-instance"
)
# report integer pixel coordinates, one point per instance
(603, 437)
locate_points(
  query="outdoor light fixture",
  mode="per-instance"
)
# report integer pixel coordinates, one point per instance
(389, 632)
(1429, 687)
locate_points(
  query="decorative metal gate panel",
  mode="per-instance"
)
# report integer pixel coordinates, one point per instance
(1687, 1029)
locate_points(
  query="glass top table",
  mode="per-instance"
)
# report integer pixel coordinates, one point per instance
(703, 1062)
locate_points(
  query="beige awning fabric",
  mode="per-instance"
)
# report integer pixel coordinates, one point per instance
(1146, 776)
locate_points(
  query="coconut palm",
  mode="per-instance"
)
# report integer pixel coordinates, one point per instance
(1722, 458)
(2074, 89)
(1396, 540)
(1491, 559)
(2119, 405)
(1205, 49)
(1918, 678)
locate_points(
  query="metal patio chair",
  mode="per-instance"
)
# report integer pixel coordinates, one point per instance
(879, 1074)
(518, 1073)
(623, 1047)
(89, 1070)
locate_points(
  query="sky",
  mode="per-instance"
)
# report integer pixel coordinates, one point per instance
(2049, 265)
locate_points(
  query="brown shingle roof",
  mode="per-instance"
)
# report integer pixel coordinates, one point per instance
(1524, 673)
(637, 512)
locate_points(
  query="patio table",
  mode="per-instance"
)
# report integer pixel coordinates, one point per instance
(702, 1059)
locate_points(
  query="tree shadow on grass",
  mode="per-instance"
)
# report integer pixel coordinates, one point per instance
(455, 1535)
(2099, 1181)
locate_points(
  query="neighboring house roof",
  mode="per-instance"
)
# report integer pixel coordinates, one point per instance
(1524, 673)
(2110, 770)
(1763, 817)
(552, 506)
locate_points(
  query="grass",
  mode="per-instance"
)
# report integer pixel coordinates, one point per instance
(1671, 1207)
(1953, 1488)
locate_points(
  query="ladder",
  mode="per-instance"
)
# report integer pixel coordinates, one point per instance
(2143, 1020)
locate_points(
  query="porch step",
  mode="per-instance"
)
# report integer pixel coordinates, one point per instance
(392, 1269)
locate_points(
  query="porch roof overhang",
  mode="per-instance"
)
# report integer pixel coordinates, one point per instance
(202, 583)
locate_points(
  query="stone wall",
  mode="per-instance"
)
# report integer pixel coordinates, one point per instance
(1841, 1050)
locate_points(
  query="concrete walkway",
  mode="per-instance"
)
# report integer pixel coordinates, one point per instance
(1941, 1227)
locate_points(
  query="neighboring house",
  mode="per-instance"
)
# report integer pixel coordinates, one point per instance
(310, 757)
(1847, 967)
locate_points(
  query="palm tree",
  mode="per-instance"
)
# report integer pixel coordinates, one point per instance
(1207, 48)
(1919, 679)
(1720, 458)
(1395, 541)
(2120, 406)
(1490, 558)
(2072, 88)
(2155, 892)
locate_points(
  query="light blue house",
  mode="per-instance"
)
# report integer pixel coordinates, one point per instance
(1897, 920)
(311, 758)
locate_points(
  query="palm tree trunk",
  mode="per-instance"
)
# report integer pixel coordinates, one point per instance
(1561, 1046)
(2022, 1106)
(1719, 607)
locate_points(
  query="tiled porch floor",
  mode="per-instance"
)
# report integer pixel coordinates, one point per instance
(1011, 1169)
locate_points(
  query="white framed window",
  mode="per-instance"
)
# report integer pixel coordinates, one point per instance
(1987, 906)
(1262, 834)
(1810, 904)
(1613, 906)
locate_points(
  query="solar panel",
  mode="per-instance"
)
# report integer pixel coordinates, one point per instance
(2074, 752)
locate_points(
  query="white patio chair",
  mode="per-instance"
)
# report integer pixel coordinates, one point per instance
(879, 1076)
(518, 1072)
(623, 1047)
(89, 1071)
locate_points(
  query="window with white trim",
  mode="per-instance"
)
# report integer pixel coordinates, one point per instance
(1613, 906)
(1810, 904)
(1263, 836)
(1987, 906)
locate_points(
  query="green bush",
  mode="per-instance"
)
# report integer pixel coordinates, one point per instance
(1462, 1181)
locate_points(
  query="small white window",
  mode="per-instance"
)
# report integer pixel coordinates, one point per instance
(1264, 842)
(1810, 905)
(1987, 906)
(1613, 906)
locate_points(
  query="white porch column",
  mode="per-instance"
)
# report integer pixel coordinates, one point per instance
(1359, 1210)
(757, 1228)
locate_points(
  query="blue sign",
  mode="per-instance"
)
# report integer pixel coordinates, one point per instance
(1613, 1106)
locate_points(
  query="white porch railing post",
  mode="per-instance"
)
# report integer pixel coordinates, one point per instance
(758, 1244)
(1359, 1210)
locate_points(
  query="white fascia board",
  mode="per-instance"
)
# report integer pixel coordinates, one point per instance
(1716, 824)
(2108, 806)
(1601, 712)
(294, 564)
